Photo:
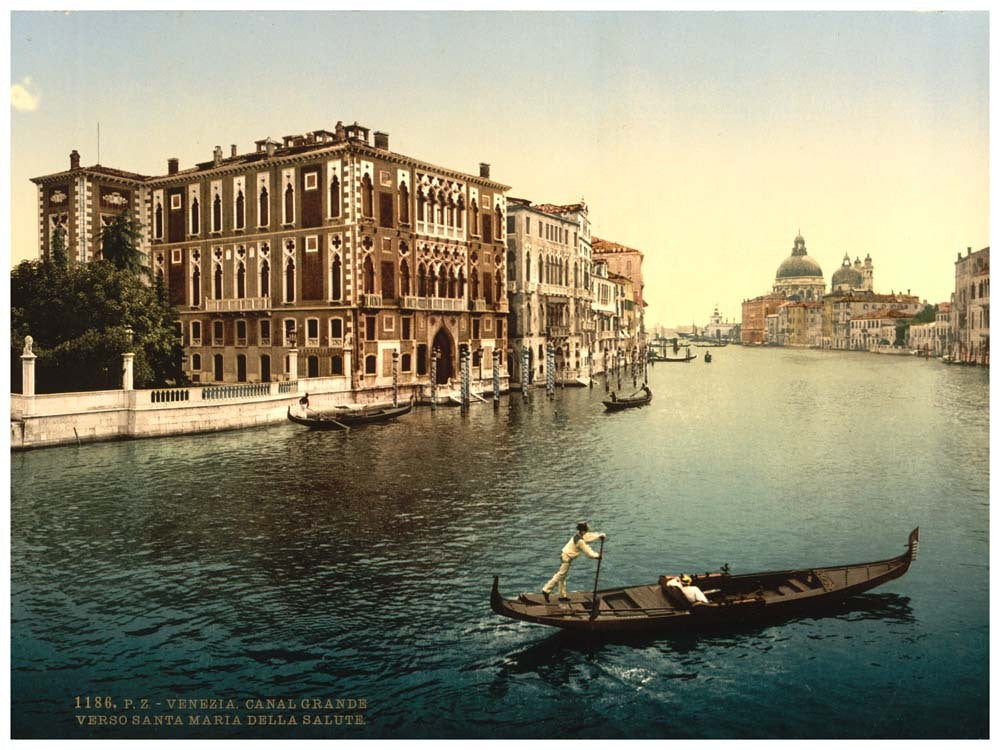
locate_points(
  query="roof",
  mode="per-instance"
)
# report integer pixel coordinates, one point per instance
(795, 266)
(944, 307)
(98, 169)
(597, 245)
(551, 208)
(882, 314)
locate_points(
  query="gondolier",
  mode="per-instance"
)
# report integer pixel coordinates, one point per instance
(572, 550)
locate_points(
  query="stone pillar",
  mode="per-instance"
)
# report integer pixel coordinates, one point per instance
(395, 377)
(128, 362)
(28, 368)
(496, 378)
(525, 373)
(434, 379)
(293, 364)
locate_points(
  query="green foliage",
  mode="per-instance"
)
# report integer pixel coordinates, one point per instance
(77, 316)
(927, 315)
(119, 243)
(58, 249)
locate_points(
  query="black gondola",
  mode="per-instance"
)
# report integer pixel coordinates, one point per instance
(628, 402)
(340, 419)
(733, 599)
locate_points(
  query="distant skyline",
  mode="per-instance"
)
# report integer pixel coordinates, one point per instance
(706, 140)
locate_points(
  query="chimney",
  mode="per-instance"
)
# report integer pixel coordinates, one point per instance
(74, 159)
(484, 170)
(968, 252)
(270, 147)
(173, 165)
(381, 140)
(217, 155)
(232, 150)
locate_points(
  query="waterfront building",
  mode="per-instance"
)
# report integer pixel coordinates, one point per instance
(717, 328)
(325, 246)
(549, 279)
(970, 321)
(799, 276)
(627, 314)
(625, 261)
(605, 316)
(932, 338)
(873, 330)
(753, 329)
(839, 309)
(798, 323)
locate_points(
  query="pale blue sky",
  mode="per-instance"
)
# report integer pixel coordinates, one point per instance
(707, 140)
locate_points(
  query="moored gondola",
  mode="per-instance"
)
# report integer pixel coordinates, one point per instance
(340, 419)
(732, 599)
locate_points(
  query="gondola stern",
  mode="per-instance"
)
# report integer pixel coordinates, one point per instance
(913, 543)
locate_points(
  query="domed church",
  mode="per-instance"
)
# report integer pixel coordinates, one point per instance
(853, 278)
(799, 276)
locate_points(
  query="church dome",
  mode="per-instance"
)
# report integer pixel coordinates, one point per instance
(798, 263)
(847, 276)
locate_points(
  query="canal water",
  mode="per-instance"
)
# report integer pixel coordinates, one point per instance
(283, 563)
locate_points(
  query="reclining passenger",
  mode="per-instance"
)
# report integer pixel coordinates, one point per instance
(692, 594)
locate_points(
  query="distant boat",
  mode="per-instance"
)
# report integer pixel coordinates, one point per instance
(617, 404)
(343, 418)
(708, 358)
(731, 599)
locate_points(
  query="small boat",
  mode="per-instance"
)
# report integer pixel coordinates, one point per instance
(732, 599)
(343, 418)
(708, 358)
(628, 402)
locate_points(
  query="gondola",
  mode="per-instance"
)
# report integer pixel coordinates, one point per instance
(732, 599)
(628, 402)
(341, 418)
(661, 358)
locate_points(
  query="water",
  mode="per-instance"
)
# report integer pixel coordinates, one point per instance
(278, 562)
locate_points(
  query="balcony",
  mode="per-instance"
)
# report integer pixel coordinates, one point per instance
(240, 304)
(556, 332)
(477, 305)
(371, 300)
(434, 303)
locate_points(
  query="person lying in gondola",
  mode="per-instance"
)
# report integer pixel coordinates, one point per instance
(691, 593)
(570, 551)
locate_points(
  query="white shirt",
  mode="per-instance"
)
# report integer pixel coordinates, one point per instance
(578, 544)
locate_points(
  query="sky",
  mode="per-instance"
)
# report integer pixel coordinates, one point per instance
(706, 140)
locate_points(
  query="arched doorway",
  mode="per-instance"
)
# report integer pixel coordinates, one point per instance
(446, 357)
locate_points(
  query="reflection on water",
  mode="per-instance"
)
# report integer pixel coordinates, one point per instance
(281, 561)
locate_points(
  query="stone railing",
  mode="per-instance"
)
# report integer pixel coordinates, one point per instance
(237, 305)
(240, 390)
(557, 331)
(434, 303)
(477, 305)
(169, 395)
(289, 386)
(371, 300)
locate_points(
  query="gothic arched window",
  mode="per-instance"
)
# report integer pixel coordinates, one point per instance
(460, 212)
(432, 283)
(334, 196)
(290, 281)
(421, 281)
(195, 216)
(369, 276)
(265, 279)
(239, 210)
(217, 214)
(366, 196)
(289, 204)
(241, 281)
(452, 284)
(195, 287)
(421, 200)
(335, 278)
(262, 218)
(498, 228)
(217, 283)
(404, 204)
(159, 220)
(404, 278)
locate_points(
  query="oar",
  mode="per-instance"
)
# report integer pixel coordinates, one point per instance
(593, 606)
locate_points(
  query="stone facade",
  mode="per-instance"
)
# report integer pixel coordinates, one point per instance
(326, 245)
(627, 262)
(970, 323)
(874, 330)
(840, 309)
(549, 277)
(753, 328)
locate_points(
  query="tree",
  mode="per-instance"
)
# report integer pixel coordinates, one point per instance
(78, 316)
(119, 241)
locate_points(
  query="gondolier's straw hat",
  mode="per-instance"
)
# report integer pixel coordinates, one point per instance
(582, 526)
